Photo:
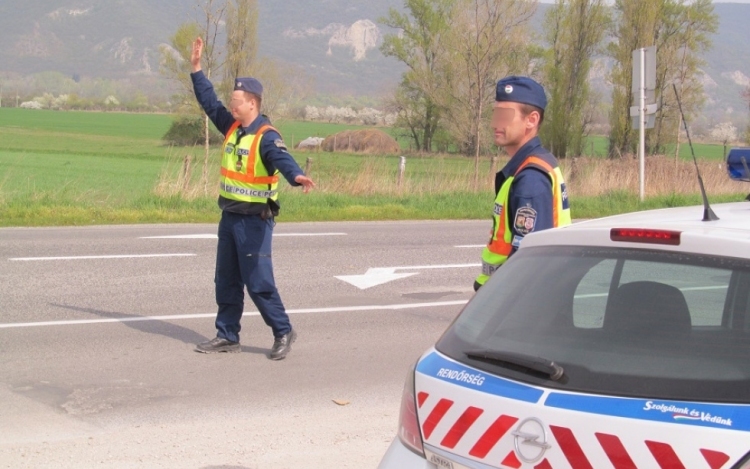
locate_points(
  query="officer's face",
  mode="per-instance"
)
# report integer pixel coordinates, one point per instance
(512, 128)
(241, 105)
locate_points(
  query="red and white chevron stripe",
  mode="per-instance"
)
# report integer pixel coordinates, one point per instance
(663, 454)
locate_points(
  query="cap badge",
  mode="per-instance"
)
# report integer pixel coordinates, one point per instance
(508, 89)
(239, 84)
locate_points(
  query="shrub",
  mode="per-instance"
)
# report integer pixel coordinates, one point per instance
(188, 131)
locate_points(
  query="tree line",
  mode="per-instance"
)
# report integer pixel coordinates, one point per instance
(455, 51)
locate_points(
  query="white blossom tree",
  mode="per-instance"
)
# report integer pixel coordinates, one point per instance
(724, 132)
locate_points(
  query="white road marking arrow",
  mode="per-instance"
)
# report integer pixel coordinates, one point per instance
(380, 275)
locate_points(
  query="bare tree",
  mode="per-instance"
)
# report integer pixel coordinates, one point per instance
(213, 16)
(486, 41)
(242, 41)
(281, 82)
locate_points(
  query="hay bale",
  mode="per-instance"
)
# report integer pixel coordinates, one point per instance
(362, 141)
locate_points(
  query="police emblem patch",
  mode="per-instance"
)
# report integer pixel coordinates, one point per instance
(525, 220)
(280, 143)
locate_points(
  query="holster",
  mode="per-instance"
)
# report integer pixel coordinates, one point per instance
(271, 210)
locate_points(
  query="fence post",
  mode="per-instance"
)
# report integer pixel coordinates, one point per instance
(308, 165)
(401, 170)
(185, 173)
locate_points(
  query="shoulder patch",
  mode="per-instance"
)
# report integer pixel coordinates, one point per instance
(280, 143)
(525, 220)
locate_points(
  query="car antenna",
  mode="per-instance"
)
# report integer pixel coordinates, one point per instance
(708, 214)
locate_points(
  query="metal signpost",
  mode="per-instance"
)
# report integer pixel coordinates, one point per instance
(644, 109)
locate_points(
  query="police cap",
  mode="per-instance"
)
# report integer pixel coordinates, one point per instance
(251, 85)
(522, 90)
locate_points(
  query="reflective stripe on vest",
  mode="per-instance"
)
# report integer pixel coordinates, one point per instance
(501, 242)
(244, 177)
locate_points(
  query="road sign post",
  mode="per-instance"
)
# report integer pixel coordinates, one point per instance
(644, 97)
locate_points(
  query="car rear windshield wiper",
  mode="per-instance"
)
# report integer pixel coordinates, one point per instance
(541, 365)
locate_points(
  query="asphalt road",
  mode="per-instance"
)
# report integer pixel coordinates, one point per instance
(98, 325)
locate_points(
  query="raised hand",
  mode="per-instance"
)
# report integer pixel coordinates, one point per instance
(195, 56)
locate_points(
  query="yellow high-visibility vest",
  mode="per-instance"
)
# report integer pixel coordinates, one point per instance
(500, 245)
(244, 177)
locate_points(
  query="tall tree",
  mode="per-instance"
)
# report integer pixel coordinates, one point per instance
(634, 27)
(213, 17)
(574, 31)
(280, 81)
(486, 41)
(682, 39)
(417, 115)
(242, 41)
(418, 45)
(680, 31)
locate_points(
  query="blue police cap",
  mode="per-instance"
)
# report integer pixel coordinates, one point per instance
(521, 90)
(251, 85)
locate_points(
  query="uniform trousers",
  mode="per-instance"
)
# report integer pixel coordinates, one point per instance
(243, 259)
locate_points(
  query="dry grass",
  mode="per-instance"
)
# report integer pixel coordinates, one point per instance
(185, 178)
(377, 175)
(664, 176)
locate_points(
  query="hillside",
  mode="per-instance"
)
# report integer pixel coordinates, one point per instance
(335, 41)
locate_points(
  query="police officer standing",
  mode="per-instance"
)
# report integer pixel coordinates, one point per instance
(530, 190)
(254, 155)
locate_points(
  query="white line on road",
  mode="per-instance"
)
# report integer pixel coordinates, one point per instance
(340, 309)
(71, 258)
(213, 236)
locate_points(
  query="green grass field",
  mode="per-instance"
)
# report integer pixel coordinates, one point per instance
(78, 168)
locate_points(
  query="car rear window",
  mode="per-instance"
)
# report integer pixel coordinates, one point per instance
(626, 322)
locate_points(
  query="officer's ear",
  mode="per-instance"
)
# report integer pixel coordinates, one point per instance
(533, 117)
(253, 97)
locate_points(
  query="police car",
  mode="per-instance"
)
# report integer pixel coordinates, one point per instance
(622, 342)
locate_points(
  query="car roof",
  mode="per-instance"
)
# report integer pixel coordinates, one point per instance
(727, 236)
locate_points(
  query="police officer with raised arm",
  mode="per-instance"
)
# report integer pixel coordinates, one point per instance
(254, 155)
(530, 190)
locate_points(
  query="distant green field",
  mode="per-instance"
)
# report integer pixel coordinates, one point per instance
(63, 168)
(599, 146)
(71, 168)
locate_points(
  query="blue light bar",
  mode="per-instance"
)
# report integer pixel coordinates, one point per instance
(738, 162)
